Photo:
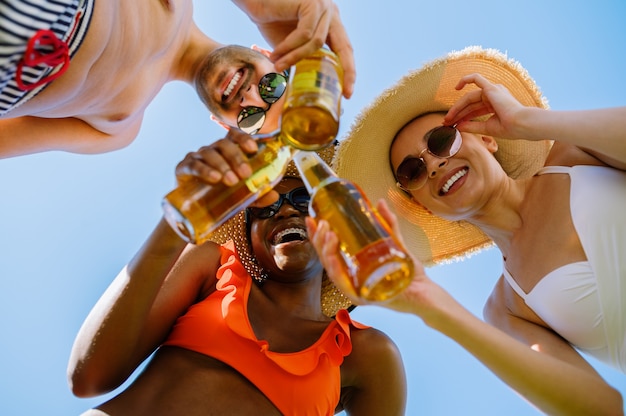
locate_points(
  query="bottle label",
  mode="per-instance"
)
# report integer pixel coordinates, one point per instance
(317, 81)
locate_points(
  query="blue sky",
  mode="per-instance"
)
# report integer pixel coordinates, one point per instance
(69, 223)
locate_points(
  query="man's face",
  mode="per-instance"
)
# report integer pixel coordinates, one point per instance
(228, 83)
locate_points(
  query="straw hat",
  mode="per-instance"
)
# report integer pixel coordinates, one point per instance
(235, 229)
(363, 154)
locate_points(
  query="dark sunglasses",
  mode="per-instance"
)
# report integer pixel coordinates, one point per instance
(443, 142)
(272, 86)
(298, 198)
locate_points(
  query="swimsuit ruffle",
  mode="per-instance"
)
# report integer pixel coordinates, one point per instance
(333, 345)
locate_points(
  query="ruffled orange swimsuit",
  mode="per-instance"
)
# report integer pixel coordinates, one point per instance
(307, 382)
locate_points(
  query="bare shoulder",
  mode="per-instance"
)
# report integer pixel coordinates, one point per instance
(494, 307)
(373, 376)
(371, 340)
(205, 257)
(503, 307)
(372, 350)
(193, 276)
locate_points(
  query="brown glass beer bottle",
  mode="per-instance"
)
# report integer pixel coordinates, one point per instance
(375, 261)
(310, 120)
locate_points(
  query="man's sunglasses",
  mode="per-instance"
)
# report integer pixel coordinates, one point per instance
(298, 198)
(272, 86)
(443, 142)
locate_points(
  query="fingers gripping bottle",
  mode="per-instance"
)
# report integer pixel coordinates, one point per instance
(310, 121)
(374, 260)
(196, 209)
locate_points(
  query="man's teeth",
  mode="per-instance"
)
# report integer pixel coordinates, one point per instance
(290, 234)
(452, 180)
(232, 84)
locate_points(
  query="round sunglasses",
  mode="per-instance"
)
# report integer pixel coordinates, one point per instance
(443, 142)
(298, 198)
(272, 86)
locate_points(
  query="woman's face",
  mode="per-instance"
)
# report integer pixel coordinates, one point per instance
(280, 242)
(458, 186)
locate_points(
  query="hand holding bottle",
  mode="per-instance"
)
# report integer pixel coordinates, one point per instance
(197, 208)
(310, 121)
(225, 160)
(204, 199)
(375, 263)
(422, 297)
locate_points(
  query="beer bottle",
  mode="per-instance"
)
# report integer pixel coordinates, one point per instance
(374, 260)
(310, 120)
(310, 117)
(196, 208)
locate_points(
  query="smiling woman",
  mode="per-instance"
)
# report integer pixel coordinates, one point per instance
(480, 159)
(246, 321)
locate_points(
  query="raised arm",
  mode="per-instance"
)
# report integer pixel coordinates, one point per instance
(562, 383)
(26, 135)
(138, 309)
(600, 132)
(296, 29)
(537, 363)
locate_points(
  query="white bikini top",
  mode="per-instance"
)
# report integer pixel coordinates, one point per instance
(585, 302)
(567, 300)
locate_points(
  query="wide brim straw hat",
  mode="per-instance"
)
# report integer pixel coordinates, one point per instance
(332, 300)
(363, 154)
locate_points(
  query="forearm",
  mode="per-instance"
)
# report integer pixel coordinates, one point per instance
(554, 386)
(602, 131)
(27, 135)
(107, 348)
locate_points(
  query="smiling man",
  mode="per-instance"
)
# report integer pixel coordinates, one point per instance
(239, 85)
(78, 75)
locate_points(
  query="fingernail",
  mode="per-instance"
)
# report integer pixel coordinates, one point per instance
(230, 178)
(245, 170)
(214, 176)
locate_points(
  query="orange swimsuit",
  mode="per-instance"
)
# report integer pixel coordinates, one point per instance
(307, 382)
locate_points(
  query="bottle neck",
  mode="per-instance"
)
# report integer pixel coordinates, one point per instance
(314, 171)
(318, 176)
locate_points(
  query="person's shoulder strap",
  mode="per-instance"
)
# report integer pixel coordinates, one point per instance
(512, 282)
(554, 169)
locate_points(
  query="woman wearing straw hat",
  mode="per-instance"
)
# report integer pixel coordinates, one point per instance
(554, 208)
(244, 324)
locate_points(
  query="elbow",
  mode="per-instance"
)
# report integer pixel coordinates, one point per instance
(608, 402)
(84, 383)
(618, 403)
(80, 390)
(82, 386)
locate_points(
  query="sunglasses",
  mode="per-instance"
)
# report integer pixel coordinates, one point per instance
(298, 198)
(272, 86)
(443, 142)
